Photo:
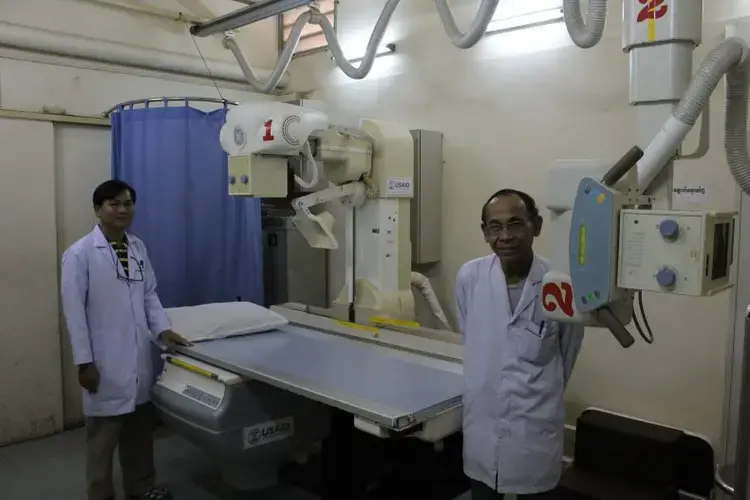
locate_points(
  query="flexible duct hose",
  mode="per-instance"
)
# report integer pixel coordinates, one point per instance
(735, 120)
(729, 59)
(461, 40)
(281, 65)
(422, 283)
(585, 33)
(312, 165)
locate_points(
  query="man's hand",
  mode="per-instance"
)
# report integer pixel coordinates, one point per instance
(88, 377)
(171, 339)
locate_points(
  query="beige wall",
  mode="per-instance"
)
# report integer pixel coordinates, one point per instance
(508, 107)
(47, 174)
(30, 356)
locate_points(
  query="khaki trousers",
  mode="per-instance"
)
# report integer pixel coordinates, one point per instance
(134, 433)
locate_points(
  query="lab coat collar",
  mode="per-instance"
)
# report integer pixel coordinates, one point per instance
(100, 241)
(530, 288)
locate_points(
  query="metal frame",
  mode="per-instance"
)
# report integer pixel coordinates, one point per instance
(166, 100)
(280, 33)
(239, 18)
(737, 356)
(93, 121)
(733, 478)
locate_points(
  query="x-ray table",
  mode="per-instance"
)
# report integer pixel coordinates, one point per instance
(267, 398)
(395, 390)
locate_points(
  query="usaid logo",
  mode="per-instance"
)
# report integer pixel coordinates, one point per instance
(399, 186)
(240, 137)
(269, 432)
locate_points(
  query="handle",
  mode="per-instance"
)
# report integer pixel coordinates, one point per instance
(615, 326)
(619, 169)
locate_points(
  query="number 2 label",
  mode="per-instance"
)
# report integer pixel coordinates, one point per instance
(556, 296)
(653, 9)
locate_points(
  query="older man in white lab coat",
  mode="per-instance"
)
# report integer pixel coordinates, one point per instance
(516, 364)
(114, 316)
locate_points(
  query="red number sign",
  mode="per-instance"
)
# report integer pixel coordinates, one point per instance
(652, 9)
(556, 296)
(269, 136)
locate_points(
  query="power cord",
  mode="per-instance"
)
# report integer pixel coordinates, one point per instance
(646, 334)
(200, 53)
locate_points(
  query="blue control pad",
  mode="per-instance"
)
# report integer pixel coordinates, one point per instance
(593, 249)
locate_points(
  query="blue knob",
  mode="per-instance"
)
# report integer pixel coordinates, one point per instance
(232, 179)
(244, 179)
(666, 277)
(669, 229)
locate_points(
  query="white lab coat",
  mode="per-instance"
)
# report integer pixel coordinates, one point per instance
(516, 367)
(112, 322)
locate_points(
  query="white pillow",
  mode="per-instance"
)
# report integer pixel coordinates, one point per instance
(222, 320)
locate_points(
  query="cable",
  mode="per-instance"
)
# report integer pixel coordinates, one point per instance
(312, 165)
(195, 42)
(647, 335)
(461, 40)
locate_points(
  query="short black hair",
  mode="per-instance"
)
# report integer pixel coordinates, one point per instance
(109, 190)
(527, 200)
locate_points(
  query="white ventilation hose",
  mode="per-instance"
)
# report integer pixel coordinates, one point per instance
(422, 283)
(281, 65)
(312, 165)
(735, 120)
(589, 32)
(728, 59)
(585, 33)
(353, 133)
(461, 40)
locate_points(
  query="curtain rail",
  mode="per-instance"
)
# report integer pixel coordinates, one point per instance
(148, 100)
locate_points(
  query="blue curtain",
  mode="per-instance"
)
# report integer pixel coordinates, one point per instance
(205, 246)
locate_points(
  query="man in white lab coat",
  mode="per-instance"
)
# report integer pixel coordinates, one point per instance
(114, 316)
(516, 364)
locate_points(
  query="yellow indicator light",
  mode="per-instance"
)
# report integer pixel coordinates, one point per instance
(582, 245)
(382, 320)
(192, 368)
(365, 328)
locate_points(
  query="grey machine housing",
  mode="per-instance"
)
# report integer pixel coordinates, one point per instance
(250, 431)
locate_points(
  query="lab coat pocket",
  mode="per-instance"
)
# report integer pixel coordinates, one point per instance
(535, 343)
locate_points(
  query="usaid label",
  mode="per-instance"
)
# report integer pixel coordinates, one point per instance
(268, 432)
(399, 186)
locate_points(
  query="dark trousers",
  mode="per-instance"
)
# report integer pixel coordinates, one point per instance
(134, 433)
(480, 491)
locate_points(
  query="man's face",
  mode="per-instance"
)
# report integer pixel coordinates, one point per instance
(509, 230)
(118, 212)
